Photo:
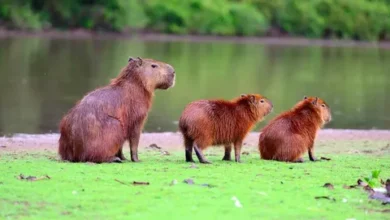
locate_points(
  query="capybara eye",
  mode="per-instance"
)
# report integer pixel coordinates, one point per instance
(323, 105)
(262, 101)
(154, 65)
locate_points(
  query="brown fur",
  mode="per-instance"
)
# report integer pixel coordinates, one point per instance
(96, 127)
(218, 122)
(292, 133)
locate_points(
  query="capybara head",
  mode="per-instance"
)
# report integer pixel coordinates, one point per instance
(321, 105)
(154, 74)
(260, 104)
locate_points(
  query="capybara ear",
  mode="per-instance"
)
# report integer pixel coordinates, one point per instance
(252, 98)
(130, 59)
(140, 61)
(315, 101)
(304, 97)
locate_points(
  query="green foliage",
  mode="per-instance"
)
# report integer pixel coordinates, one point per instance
(349, 19)
(374, 179)
(299, 17)
(247, 20)
(111, 15)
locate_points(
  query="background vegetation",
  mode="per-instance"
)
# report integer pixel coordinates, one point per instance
(350, 19)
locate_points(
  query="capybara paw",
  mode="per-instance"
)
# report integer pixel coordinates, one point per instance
(299, 160)
(116, 160)
(227, 158)
(205, 162)
(190, 160)
(314, 159)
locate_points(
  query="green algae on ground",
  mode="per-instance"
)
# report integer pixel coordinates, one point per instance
(225, 190)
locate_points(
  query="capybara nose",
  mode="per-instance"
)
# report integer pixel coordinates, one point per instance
(272, 105)
(171, 69)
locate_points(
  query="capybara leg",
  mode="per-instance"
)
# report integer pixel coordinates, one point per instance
(228, 151)
(134, 140)
(237, 151)
(189, 146)
(115, 160)
(299, 160)
(199, 154)
(311, 155)
(120, 155)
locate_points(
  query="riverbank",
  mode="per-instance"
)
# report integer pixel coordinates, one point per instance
(146, 36)
(173, 140)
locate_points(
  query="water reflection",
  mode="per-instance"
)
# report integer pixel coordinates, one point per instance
(40, 79)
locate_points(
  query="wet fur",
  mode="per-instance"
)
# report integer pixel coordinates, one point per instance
(96, 128)
(293, 133)
(219, 122)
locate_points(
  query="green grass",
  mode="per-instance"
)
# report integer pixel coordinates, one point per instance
(266, 189)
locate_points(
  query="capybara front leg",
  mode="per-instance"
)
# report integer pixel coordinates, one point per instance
(228, 151)
(134, 140)
(199, 154)
(188, 152)
(311, 155)
(120, 154)
(237, 151)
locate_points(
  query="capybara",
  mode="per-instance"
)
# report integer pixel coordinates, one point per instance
(95, 129)
(288, 136)
(219, 122)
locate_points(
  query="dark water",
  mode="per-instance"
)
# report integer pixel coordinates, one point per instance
(40, 79)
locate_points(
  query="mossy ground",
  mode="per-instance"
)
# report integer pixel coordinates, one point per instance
(265, 189)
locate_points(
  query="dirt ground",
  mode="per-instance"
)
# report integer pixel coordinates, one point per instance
(173, 141)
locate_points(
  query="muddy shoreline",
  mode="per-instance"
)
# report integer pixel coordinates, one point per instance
(281, 41)
(173, 140)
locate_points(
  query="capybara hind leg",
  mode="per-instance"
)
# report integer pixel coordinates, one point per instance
(237, 151)
(299, 160)
(189, 146)
(228, 151)
(311, 155)
(115, 160)
(120, 154)
(199, 154)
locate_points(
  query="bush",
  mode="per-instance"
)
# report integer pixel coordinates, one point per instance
(247, 20)
(351, 19)
(299, 17)
(20, 16)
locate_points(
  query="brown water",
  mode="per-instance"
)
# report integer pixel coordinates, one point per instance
(41, 78)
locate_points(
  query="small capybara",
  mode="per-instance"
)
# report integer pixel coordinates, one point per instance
(288, 136)
(95, 129)
(219, 122)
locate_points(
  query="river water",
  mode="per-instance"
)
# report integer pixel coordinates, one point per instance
(42, 78)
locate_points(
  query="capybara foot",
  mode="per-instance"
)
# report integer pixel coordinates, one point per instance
(205, 161)
(299, 160)
(134, 157)
(116, 160)
(135, 160)
(314, 159)
(227, 157)
(190, 160)
(189, 156)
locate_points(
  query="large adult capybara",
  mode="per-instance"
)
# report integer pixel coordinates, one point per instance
(219, 122)
(292, 133)
(95, 129)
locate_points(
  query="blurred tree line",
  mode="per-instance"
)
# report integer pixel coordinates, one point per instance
(345, 19)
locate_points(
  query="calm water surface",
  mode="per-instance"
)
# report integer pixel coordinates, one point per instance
(40, 78)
